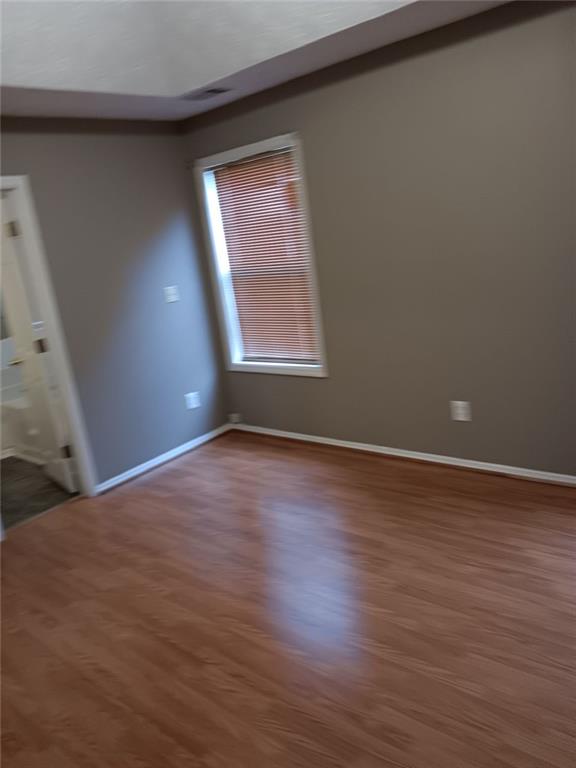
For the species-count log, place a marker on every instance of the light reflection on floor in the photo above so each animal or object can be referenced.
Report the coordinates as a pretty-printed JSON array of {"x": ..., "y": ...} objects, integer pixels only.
[{"x": 312, "y": 592}]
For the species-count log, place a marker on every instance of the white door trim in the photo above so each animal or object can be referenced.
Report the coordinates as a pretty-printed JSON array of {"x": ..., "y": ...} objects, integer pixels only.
[{"x": 21, "y": 198}]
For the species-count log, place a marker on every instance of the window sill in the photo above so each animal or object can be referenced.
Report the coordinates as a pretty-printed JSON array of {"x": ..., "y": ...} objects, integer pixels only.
[{"x": 284, "y": 369}]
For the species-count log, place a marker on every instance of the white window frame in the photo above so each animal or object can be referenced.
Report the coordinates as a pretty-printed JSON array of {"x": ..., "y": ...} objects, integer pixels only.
[{"x": 220, "y": 268}]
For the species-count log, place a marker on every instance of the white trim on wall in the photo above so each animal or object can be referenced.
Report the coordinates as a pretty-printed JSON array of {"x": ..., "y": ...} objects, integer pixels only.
[
  {"x": 482, "y": 466},
  {"x": 130, "y": 474},
  {"x": 236, "y": 154},
  {"x": 21, "y": 197}
]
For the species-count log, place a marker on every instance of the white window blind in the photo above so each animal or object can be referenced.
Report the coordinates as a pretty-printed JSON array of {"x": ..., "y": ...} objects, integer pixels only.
[{"x": 258, "y": 224}]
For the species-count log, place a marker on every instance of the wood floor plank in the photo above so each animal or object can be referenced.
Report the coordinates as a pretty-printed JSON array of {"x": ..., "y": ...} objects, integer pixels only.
[{"x": 262, "y": 603}]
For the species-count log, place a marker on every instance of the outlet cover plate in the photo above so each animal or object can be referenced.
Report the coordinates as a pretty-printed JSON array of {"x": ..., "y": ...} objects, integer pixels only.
[{"x": 460, "y": 410}]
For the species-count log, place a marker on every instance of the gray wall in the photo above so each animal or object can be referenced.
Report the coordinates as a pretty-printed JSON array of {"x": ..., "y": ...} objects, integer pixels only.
[
  {"x": 113, "y": 204},
  {"x": 441, "y": 180},
  {"x": 440, "y": 174}
]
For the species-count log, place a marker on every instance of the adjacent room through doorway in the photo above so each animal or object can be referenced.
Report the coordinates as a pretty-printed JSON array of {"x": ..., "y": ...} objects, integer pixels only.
[{"x": 37, "y": 469}]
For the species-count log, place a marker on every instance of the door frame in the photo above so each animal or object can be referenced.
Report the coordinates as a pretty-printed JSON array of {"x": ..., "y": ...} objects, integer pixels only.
[{"x": 29, "y": 230}]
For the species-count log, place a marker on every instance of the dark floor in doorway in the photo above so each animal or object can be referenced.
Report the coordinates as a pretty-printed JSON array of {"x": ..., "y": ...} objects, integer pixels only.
[{"x": 26, "y": 491}]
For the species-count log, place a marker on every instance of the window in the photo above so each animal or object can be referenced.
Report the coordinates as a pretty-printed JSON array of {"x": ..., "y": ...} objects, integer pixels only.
[{"x": 262, "y": 258}]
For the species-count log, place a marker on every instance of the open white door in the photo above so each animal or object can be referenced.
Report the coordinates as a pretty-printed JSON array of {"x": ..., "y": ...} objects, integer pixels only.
[{"x": 47, "y": 439}]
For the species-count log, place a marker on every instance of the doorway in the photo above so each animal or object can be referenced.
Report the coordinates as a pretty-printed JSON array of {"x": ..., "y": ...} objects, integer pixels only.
[{"x": 45, "y": 457}]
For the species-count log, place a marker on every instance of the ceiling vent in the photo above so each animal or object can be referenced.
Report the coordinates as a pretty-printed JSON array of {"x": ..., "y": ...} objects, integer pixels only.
[{"x": 205, "y": 94}]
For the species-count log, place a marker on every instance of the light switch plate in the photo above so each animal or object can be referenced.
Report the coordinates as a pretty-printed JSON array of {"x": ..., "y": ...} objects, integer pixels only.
[
  {"x": 171, "y": 293},
  {"x": 192, "y": 400}
]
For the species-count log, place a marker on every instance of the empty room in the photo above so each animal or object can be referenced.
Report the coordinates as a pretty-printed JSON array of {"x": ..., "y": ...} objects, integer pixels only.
[{"x": 288, "y": 384}]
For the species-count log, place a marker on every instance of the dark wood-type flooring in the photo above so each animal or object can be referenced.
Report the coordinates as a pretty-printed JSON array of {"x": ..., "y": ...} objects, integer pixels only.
[{"x": 261, "y": 603}]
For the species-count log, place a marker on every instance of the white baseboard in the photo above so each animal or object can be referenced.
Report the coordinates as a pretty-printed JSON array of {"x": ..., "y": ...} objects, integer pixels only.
[
  {"x": 30, "y": 458},
  {"x": 482, "y": 466},
  {"x": 18, "y": 454},
  {"x": 158, "y": 460}
]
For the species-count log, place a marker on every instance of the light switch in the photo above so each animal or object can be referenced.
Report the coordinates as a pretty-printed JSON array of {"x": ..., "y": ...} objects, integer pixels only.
[
  {"x": 192, "y": 400},
  {"x": 171, "y": 293}
]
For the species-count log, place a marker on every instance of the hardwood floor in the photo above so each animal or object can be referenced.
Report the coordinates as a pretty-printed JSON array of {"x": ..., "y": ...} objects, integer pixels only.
[{"x": 260, "y": 603}]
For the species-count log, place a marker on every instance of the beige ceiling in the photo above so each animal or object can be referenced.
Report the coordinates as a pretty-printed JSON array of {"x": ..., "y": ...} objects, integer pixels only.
[
  {"x": 164, "y": 48},
  {"x": 143, "y": 58}
]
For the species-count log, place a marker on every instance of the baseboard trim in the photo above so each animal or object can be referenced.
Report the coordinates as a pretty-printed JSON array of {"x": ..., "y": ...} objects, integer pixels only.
[
  {"x": 453, "y": 461},
  {"x": 22, "y": 455},
  {"x": 130, "y": 474},
  {"x": 433, "y": 458}
]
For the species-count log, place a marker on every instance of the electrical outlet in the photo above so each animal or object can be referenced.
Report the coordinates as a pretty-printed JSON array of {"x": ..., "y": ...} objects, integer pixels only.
[
  {"x": 235, "y": 418},
  {"x": 192, "y": 400},
  {"x": 460, "y": 410},
  {"x": 171, "y": 293}
]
